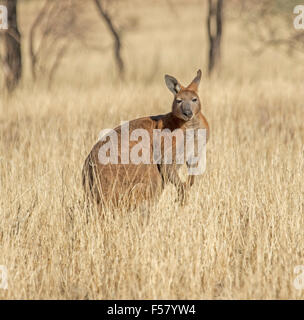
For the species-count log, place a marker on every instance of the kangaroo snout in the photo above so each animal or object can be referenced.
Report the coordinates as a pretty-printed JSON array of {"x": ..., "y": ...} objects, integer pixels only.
[{"x": 187, "y": 112}]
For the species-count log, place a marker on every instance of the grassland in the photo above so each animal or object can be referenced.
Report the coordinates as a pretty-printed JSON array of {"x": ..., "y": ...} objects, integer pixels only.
[{"x": 242, "y": 232}]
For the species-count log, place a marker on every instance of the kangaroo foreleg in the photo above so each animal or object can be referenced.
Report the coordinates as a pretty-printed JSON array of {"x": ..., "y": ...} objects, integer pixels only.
[{"x": 169, "y": 174}]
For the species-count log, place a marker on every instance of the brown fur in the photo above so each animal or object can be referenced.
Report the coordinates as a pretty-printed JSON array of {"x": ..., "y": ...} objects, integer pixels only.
[{"x": 130, "y": 184}]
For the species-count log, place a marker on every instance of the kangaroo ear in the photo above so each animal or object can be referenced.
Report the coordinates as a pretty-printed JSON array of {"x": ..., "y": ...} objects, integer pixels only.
[
  {"x": 196, "y": 81},
  {"x": 173, "y": 85}
]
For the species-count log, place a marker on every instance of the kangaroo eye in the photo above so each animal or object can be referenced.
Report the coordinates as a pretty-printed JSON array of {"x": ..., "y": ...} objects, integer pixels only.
[
  {"x": 194, "y": 99},
  {"x": 178, "y": 100}
]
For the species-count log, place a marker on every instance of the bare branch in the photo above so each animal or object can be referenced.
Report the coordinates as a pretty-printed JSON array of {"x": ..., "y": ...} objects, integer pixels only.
[
  {"x": 214, "y": 17},
  {"x": 12, "y": 38},
  {"x": 115, "y": 34},
  {"x": 51, "y": 34},
  {"x": 273, "y": 27},
  {"x": 56, "y": 63},
  {"x": 37, "y": 21}
]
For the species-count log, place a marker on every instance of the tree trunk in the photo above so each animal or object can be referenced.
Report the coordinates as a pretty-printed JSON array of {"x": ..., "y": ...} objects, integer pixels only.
[
  {"x": 214, "y": 19},
  {"x": 115, "y": 34},
  {"x": 12, "y": 39}
]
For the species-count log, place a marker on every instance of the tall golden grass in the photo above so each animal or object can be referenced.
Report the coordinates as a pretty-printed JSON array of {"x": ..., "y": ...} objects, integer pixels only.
[{"x": 241, "y": 233}]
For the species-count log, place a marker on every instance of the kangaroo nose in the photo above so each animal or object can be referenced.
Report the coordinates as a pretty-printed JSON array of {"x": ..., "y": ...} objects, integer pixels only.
[{"x": 188, "y": 113}]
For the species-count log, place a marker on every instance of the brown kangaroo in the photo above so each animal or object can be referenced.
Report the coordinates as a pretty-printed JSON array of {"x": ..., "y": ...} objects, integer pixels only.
[{"x": 128, "y": 184}]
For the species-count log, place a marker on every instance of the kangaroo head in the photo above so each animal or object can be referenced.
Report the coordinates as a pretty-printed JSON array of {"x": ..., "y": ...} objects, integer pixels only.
[{"x": 186, "y": 103}]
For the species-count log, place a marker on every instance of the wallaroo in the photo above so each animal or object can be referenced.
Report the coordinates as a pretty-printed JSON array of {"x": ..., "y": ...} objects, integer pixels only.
[{"x": 133, "y": 162}]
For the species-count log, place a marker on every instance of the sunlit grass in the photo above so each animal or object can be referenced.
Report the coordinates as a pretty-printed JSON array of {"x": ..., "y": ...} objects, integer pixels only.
[{"x": 241, "y": 233}]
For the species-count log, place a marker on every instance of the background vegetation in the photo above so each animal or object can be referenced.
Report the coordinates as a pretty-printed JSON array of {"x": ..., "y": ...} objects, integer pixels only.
[{"x": 241, "y": 234}]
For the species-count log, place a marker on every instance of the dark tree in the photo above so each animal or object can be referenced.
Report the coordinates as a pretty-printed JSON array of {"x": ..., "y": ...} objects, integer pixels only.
[
  {"x": 214, "y": 28},
  {"x": 115, "y": 34},
  {"x": 12, "y": 40}
]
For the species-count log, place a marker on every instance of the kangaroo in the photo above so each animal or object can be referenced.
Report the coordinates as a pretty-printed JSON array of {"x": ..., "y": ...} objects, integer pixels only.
[{"x": 128, "y": 184}]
